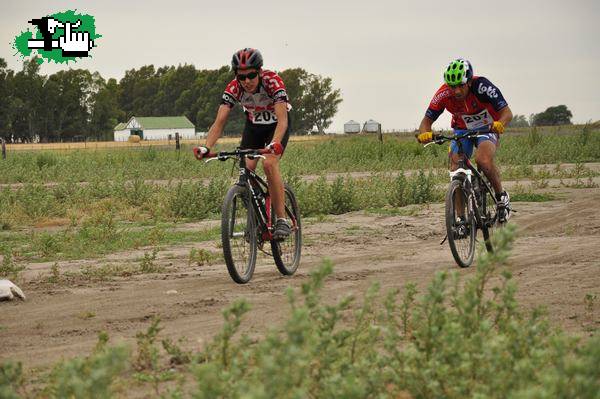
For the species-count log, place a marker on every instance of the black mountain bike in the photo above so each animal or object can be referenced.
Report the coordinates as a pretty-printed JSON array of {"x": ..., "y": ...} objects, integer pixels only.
[
  {"x": 470, "y": 205},
  {"x": 247, "y": 221}
]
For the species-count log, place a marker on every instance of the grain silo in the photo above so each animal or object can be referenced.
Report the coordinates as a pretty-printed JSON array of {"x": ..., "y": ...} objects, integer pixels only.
[
  {"x": 372, "y": 126},
  {"x": 351, "y": 127}
]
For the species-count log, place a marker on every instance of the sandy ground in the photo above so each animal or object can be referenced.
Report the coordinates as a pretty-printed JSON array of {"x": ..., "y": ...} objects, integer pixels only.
[{"x": 556, "y": 262}]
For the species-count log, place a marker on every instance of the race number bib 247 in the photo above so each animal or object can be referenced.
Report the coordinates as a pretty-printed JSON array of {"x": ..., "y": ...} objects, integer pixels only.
[{"x": 479, "y": 120}]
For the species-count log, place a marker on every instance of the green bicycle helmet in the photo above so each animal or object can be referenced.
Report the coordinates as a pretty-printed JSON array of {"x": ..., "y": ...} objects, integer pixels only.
[{"x": 458, "y": 72}]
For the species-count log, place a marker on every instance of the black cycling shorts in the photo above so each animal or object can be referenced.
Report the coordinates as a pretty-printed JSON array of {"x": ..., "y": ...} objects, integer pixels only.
[{"x": 257, "y": 136}]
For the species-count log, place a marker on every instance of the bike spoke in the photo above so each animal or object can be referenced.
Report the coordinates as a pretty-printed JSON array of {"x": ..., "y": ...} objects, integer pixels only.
[
  {"x": 460, "y": 224},
  {"x": 287, "y": 252}
]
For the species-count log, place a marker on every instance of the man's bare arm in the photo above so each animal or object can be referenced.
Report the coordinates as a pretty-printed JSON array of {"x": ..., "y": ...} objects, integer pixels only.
[
  {"x": 426, "y": 124},
  {"x": 282, "y": 121},
  {"x": 506, "y": 115},
  {"x": 217, "y": 127}
]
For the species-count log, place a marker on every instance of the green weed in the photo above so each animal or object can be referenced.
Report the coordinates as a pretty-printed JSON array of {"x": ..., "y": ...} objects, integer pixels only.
[
  {"x": 148, "y": 263},
  {"x": 91, "y": 377},
  {"x": 9, "y": 269},
  {"x": 201, "y": 257}
]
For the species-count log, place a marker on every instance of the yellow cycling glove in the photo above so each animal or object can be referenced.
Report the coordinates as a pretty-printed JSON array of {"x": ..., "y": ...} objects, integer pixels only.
[
  {"x": 424, "y": 137},
  {"x": 498, "y": 127}
]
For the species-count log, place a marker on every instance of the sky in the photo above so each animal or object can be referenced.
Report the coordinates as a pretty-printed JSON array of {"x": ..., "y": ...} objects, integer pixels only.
[{"x": 386, "y": 57}]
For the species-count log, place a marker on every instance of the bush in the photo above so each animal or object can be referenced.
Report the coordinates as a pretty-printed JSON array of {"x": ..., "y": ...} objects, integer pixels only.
[
  {"x": 46, "y": 160},
  {"x": 421, "y": 188},
  {"x": 9, "y": 269},
  {"x": 398, "y": 192},
  {"x": 314, "y": 198},
  {"x": 91, "y": 377},
  {"x": 11, "y": 380},
  {"x": 195, "y": 201},
  {"x": 342, "y": 196}
]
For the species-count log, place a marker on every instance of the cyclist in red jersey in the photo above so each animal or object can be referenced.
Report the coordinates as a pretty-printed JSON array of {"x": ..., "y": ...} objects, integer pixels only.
[
  {"x": 475, "y": 104},
  {"x": 264, "y": 99}
]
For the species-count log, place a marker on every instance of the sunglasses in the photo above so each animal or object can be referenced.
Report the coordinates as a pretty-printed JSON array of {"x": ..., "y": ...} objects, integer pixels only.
[{"x": 242, "y": 77}]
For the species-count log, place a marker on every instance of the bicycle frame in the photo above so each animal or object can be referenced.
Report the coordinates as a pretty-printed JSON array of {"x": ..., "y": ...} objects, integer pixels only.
[
  {"x": 258, "y": 189},
  {"x": 466, "y": 168}
]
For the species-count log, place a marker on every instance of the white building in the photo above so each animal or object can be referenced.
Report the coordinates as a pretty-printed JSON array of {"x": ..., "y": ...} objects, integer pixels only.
[
  {"x": 155, "y": 128},
  {"x": 121, "y": 134}
]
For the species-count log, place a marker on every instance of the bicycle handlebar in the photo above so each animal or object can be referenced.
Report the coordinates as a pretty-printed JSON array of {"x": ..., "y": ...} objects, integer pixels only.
[
  {"x": 225, "y": 155},
  {"x": 440, "y": 139}
]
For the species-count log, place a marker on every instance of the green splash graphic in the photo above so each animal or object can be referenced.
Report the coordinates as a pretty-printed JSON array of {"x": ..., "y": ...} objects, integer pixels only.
[
  {"x": 88, "y": 24},
  {"x": 20, "y": 43}
]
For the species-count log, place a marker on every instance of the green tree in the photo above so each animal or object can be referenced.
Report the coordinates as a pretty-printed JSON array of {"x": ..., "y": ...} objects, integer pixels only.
[
  {"x": 295, "y": 84},
  {"x": 72, "y": 91},
  {"x": 7, "y": 101},
  {"x": 206, "y": 97},
  {"x": 76, "y": 102},
  {"x": 139, "y": 89},
  {"x": 519, "y": 121},
  {"x": 320, "y": 102},
  {"x": 105, "y": 112},
  {"x": 558, "y": 115},
  {"x": 172, "y": 84},
  {"x": 28, "y": 104}
]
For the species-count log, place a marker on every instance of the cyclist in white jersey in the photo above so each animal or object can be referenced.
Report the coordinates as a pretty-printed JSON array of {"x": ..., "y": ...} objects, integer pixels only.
[{"x": 265, "y": 101}]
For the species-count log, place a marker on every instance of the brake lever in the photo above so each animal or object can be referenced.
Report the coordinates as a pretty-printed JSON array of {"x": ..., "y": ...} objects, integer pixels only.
[
  {"x": 438, "y": 141},
  {"x": 255, "y": 156}
]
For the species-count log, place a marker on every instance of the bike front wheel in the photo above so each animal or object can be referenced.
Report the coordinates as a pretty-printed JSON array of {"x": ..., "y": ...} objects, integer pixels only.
[
  {"x": 460, "y": 224},
  {"x": 238, "y": 234},
  {"x": 286, "y": 253}
]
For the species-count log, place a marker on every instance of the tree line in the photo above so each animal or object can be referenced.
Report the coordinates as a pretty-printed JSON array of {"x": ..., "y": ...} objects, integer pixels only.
[
  {"x": 76, "y": 104},
  {"x": 552, "y": 116}
]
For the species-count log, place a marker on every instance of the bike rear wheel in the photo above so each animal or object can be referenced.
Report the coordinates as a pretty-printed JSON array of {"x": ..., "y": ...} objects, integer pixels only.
[
  {"x": 286, "y": 253},
  {"x": 238, "y": 234},
  {"x": 460, "y": 224}
]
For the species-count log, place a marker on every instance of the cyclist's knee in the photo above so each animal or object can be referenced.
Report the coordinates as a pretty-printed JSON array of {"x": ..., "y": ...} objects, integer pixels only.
[
  {"x": 454, "y": 158},
  {"x": 271, "y": 164},
  {"x": 485, "y": 162}
]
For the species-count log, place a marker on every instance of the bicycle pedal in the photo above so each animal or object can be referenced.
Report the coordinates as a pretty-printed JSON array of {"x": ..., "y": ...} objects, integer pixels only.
[{"x": 279, "y": 238}]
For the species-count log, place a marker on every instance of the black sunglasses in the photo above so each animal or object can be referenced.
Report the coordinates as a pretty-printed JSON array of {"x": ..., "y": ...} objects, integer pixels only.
[{"x": 242, "y": 77}]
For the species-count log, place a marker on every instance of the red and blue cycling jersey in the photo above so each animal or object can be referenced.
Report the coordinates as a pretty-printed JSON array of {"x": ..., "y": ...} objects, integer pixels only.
[{"x": 479, "y": 109}]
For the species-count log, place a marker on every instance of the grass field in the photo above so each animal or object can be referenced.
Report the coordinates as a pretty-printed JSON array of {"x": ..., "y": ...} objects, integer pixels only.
[
  {"x": 451, "y": 340},
  {"x": 305, "y": 156},
  {"x": 69, "y": 199}
]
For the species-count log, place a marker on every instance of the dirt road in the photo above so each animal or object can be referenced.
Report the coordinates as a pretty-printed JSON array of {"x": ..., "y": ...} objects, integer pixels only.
[{"x": 556, "y": 262}]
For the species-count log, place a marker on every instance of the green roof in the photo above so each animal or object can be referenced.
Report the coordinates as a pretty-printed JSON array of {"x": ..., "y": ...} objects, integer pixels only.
[
  {"x": 164, "y": 122},
  {"x": 121, "y": 126}
]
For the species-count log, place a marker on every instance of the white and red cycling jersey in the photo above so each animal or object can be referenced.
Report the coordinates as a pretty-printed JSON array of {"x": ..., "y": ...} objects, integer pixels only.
[{"x": 260, "y": 106}]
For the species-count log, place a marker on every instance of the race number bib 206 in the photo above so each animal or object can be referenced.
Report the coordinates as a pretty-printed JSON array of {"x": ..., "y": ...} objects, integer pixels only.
[
  {"x": 479, "y": 120},
  {"x": 264, "y": 117}
]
